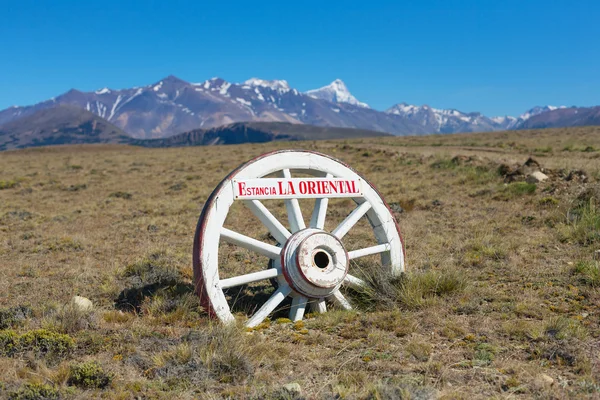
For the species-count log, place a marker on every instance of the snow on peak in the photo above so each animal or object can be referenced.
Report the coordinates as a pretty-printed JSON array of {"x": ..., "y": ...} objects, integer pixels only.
[
  {"x": 279, "y": 85},
  {"x": 103, "y": 91},
  {"x": 506, "y": 122},
  {"x": 404, "y": 109},
  {"x": 336, "y": 92},
  {"x": 538, "y": 110},
  {"x": 501, "y": 120}
]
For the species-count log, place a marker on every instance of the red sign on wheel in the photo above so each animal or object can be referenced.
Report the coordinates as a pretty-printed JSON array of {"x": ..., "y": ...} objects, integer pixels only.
[{"x": 295, "y": 188}]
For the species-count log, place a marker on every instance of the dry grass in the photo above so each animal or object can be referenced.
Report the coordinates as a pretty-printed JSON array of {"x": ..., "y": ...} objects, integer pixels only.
[{"x": 501, "y": 293}]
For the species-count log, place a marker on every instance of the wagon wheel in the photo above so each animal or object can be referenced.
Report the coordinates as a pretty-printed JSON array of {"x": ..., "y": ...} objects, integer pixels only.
[{"x": 310, "y": 264}]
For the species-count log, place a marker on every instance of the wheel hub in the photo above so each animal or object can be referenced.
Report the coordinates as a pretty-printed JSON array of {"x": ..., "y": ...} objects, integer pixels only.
[{"x": 314, "y": 263}]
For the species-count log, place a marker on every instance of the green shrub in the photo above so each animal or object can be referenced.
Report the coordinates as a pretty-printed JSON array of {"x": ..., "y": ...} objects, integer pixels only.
[
  {"x": 588, "y": 272},
  {"x": 47, "y": 343},
  {"x": 35, "y": 391},
  {"x": 420, "y": 289},
  {"x": 41, "y": 341},
  {"x": 521, "y": 188},
  {"x": 562, "y": 327},
  {"x": 8, "y": 184},
  {"x": 583, "y": 224},
  {"x": 484, "y": 354},
  {"x": 89, "y": 375},
  {"x": 515, "y": 189},
  {"x": 8, "y": 343},
  {"x": 412, "y": 290},
  {"x": 548, "y": 201}
]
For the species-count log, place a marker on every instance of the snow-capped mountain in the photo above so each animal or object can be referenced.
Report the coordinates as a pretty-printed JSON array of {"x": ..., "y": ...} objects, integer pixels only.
[
  {"x": 561, "y": 117},
  {"x": 537, "y": 110},
  {"x": 444, "y": 121},
  {"x": 336, "y": 92},
  {"x": 506, "y": 122},
  {"x": 172, "y": 105},
  {"x": 452, "y": 121},
  {"x": 278, "y": 85}
]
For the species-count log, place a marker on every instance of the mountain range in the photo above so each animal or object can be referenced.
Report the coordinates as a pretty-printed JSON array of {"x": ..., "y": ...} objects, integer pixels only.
[
  {"x": 173, "y": 106},
  {"x": 67, "y": 124}
]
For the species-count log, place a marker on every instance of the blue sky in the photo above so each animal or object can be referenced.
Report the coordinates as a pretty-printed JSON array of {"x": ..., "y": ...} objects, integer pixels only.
[{"x": 497, "y": 57}]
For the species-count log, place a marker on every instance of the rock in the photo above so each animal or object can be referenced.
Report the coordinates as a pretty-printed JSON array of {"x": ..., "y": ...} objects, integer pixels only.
[
  {"x": 396, "y": 208},
  {"x": 84, "y": 304},
  {"x": 536, "y": 177},
  {"x": 293, "y": 388},
  {"x": 577, "y": 175},
  {"x": 512, "y": 174}
]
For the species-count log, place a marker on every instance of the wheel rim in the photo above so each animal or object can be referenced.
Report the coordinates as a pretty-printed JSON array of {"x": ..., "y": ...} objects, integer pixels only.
[{"x": 311, "y": 264}]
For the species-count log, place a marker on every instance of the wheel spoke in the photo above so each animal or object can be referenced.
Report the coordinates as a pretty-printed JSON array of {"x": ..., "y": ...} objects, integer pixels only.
[
  {"x": 340, "y": 300},
  {"x": 298, "y": 307},
  {"x": 293, "y": 209},
  {"x": 355, "y": 282},
  {"x": 319, "y": 306},
  {"x": 318, "y": 216},
  {"x": 248, "y": 278},
  {"x": 369, "y": 251},
  {"x": 351, "y": 220},
  {"x": 270, "y": 305},
  {"x": 273, "y": 252},
  {"x": 278, "y": 231}
]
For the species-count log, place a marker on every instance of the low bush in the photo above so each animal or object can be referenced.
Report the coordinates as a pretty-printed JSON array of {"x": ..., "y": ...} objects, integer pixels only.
[
  {"x": 41, "y": 342},
  {"x": 71, "y": 319},
  {"x": 516, "y": 189},
  {"x": 8, "y": 184},
  {"x": 88, "y": 375},
  {"x": 412, "y": 290},
  {"x": 588, "y": 272},
  {"x": 35, "y": 391},
  {"x": 157, "y": 287},
  {"x": 582, "y": 224}
]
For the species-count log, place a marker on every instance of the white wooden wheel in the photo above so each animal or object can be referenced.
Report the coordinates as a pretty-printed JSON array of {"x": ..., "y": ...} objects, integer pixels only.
[{"x": 309, "y": 264}]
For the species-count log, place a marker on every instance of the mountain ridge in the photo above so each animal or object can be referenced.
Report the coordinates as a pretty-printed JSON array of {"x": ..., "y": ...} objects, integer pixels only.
[
  {"x": 68, "y": 124},
  {"x": 172, "y": 106}
]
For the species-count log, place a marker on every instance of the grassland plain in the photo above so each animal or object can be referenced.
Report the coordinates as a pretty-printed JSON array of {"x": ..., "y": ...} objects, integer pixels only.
[{"x": 500, "y": 300}]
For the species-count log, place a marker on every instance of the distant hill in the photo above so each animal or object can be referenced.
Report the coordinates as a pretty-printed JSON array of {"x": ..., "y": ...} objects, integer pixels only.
[
  {"x": 564, "y": 117},
  {"x": 61, "y": 124},
  {"x": 256, "y": 132}
]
